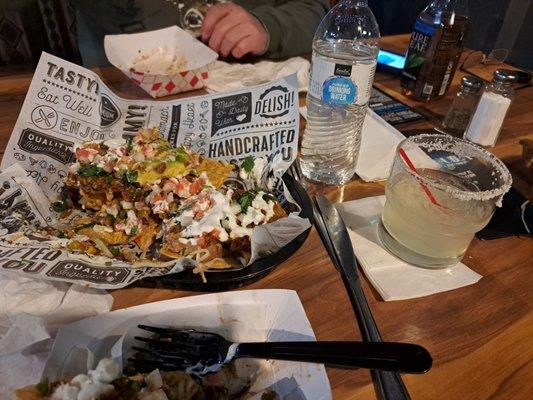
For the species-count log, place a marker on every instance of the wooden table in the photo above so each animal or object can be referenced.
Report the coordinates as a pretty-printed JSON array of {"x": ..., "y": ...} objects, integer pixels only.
[{"x": 480, "y": 336}]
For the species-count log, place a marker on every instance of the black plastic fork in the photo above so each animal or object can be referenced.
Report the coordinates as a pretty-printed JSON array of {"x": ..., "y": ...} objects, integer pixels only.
[{"x": 202, "y": 353}]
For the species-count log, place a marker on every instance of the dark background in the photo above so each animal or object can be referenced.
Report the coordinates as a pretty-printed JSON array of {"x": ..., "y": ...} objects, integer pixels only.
[{"x": 29, "y": 26}]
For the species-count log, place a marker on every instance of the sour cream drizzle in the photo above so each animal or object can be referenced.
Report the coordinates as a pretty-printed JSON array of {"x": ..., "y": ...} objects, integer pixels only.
[{"x": 225, "y": 217}]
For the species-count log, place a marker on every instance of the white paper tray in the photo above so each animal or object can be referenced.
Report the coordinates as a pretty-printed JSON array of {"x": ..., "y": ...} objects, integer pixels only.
[
  {"x": 252, "y": 315},
  {"x": 121, "y": 50}
]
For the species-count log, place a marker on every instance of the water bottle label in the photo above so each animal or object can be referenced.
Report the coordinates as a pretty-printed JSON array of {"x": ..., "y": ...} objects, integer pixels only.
[
  {"x": 339, "y": 91},
  {"x": 341, "y": 84}
]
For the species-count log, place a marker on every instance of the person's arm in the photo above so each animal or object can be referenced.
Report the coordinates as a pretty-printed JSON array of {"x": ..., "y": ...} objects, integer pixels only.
[
  {"x": 291, "y": 25},
  {"x": 229, "y": 28},
  {"x": 281, "y": 28}
]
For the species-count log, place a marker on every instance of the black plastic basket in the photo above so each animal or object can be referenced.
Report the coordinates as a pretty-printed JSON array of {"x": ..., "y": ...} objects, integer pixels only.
[{"x": 220, "y": 280}]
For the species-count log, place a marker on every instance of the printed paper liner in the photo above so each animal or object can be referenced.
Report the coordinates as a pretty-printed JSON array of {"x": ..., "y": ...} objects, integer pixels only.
[{"x": 67, "y": 104}]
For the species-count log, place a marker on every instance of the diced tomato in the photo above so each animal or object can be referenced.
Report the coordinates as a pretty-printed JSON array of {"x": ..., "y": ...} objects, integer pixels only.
[
  {"x": 85, "y": 155},
  {"x": 200, "y": 242},
  {"x": 119, "y": 151},
  {"x": 148, "y": 151},
  {"x": 199, "y": 214},
  {"x": 197, "y": 186}
]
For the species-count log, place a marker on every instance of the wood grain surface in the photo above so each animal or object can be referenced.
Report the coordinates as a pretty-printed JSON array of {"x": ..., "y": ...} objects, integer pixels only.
[{"x": 480, "y": 336}]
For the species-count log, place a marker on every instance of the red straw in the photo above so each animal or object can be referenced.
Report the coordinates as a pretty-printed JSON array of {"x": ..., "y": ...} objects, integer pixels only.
[{"x": 411, "y": 166}]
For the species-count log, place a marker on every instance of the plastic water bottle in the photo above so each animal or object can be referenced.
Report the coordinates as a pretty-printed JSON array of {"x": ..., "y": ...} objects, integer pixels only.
[{"x": 345, "y": 50}]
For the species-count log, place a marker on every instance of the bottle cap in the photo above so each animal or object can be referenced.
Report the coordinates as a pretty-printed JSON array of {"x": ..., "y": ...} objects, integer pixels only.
[
  {"x": 472, "y": 83},
  {"x": 504, "y": 76}
]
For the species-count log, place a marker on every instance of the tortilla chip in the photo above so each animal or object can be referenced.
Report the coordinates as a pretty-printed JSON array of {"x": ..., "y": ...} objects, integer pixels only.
[
  {"x": 172, "y": 170},
  {"x": 146, "y": 236},
  {"x": 216, "y": 171},
  {"x": 28, "y": 393},
  {"x": 279, "y": 212},
  {"x": 221, "y": 263},
  {"x": 169, "y": 253},
  {"x": 109, "y": 238}
]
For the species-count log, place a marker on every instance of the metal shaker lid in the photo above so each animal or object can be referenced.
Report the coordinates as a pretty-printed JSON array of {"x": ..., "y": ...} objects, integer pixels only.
[
  {"x": 472, "y": 83},
  {"x": 504, "y": 76}
]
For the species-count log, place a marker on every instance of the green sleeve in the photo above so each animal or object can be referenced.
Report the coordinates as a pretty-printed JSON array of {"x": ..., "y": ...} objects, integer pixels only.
[{"x": 291, "y": 25}]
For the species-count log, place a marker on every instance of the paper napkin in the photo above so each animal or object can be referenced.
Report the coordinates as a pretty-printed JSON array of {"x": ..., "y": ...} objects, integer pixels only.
[
  {"x": 224, "y": 77},
  {"x": 378, "y": 146},
  {"x": 31, "y": 311},
  {"x": 393, "y": 278}
]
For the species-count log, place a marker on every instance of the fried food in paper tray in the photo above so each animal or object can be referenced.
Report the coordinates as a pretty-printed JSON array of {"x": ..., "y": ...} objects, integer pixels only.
[
  {"x": 144, "y": 203},
  {"x": 107, "y": 383}
]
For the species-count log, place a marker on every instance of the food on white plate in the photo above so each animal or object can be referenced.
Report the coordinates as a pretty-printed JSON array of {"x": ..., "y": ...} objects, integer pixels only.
[
  {"x": 106, "y": 382},
  {"x": 143, "y": 200},
  {"x": 160, "y": 61}
]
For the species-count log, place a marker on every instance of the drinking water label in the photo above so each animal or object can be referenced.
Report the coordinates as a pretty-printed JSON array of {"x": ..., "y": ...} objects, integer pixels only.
[
  {"x": 339, "y": 91},
  {"x": 341, "y": 84}
]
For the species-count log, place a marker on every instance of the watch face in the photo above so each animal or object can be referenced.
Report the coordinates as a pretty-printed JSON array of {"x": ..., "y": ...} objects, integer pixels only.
[{"x": 192, "y": 13}]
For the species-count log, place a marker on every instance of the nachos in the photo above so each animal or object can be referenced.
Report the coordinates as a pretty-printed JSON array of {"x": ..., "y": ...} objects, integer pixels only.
[{"x": 143, "y": 199}]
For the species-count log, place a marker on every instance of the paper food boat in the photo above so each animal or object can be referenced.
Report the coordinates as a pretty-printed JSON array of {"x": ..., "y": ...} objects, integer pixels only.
[
  {"x": 241, "y": 316},
  {"x": 121, "y": 51}
]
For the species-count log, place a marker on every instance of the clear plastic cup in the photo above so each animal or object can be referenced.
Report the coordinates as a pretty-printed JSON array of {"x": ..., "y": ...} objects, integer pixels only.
[{"x": 440, "y": 192}]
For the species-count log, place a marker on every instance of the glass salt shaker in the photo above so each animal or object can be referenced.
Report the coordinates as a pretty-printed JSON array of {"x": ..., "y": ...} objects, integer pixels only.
[
  {"x": 463, "y": 106},
  {"x": 486, "y": 124}
]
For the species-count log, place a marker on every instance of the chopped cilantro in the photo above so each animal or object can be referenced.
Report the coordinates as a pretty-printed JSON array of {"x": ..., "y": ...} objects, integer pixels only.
[
  {"x": 91, "y": 170},
  {"x": 110, "y": 219},
  {"x": 130, "y": 176},
  {"x": 59, "y": 206},
  {"x": 245, "y": 202},
  {"x": 122, "y": 214},
  {"x": 129, "y": 144},
  {"x": 109, "y": 179},
  {"x": 246, "y": 199},
  {"x": 248, "y": 164},
  {"x": 44, "y": 387},
  {"x": 62, "y": 235},
  {"x": 207, "y": 186},
  {"x": 133, "y": 231},
  {"x": 108, "y": 263},
  {"x": 268, "y": 197},
  {"x": 181, "y": 154},
  {"x": 115, "y": 251}
]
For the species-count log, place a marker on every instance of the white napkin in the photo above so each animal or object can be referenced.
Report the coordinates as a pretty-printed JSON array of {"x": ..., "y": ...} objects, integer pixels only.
[
  {"x": 225, "y": 77},
  {"x": 31, "y": 311},
  {"x": 378, "y": 145},
  {"x": 393, "y": 278}
]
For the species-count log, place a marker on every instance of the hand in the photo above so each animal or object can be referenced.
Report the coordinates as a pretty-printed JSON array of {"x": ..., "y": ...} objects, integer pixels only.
[{"x": 230, "y": 29}]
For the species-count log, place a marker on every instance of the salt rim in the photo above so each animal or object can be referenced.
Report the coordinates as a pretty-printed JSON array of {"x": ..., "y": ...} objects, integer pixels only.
[{"x": 462, "y": 148}]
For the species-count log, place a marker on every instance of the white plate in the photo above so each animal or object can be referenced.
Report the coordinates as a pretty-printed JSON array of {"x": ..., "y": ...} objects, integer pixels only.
[{"x": 251, "y": 315}]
